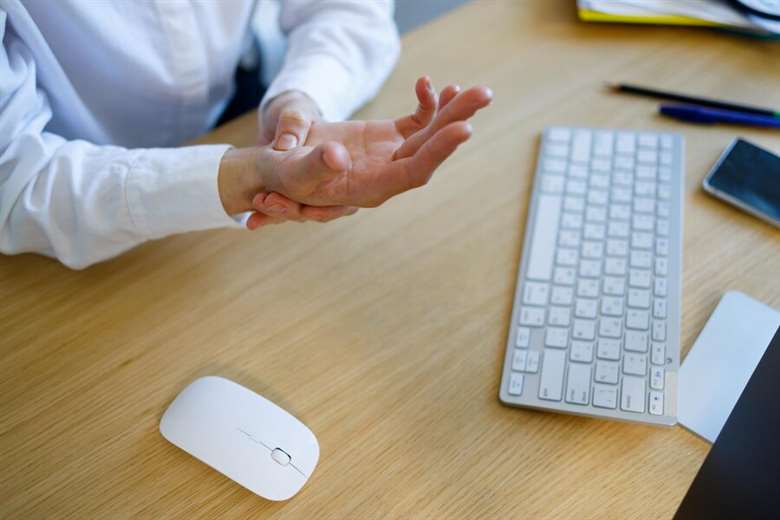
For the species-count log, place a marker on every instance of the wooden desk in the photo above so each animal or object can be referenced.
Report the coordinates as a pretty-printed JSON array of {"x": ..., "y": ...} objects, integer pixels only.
[{"x": 384, "y": 332}]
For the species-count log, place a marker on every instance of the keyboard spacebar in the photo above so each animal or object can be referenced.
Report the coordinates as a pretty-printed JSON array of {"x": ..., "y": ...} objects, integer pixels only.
[{"x": 548, "y": 213}]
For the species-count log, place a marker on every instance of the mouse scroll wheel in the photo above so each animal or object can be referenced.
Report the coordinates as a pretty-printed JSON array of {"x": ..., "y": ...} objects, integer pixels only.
[{"x": 280, "y": 456}]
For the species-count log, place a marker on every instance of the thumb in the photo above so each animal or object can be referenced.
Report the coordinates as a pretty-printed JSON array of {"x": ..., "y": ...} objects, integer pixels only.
[{"x": 292, "y": 129}]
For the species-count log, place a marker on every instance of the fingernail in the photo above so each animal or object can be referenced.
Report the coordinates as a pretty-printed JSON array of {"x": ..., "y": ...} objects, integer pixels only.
[{"x": 286, "y": 142}]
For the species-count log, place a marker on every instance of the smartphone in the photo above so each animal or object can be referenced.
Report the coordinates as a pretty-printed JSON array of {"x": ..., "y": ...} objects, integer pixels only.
[{"x": 748, "y": 177}]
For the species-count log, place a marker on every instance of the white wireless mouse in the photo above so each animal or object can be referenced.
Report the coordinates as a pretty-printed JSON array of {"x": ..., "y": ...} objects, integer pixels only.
[{"x": 243, "y": 436}]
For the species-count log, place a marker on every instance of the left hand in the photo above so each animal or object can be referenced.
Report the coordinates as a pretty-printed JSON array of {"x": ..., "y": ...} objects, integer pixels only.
[{"x": 285, "y": 124}]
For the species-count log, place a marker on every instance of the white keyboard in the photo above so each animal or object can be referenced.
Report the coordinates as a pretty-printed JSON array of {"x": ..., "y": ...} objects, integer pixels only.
[{"x": 596, "y": 321}]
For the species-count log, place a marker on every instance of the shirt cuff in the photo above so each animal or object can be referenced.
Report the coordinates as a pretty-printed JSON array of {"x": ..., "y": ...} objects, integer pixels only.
[
  {"x": 174, "y": 190},
  {"x": 335, "y": 96}
]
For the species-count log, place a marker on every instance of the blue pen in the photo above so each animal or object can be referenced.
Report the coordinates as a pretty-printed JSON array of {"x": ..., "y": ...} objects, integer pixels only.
[{"x": 699, "y": 114}]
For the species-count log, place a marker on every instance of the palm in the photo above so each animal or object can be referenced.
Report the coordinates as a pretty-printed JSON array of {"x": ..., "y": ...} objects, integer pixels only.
[
  {"x": 370, "y": 145},
  {"x": 363, "y": 163}
]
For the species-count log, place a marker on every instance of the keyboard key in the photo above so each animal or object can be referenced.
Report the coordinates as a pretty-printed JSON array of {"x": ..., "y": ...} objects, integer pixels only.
[
  {"x": 592, "y": 249},
  {"x": 602, "y": 145},
  {"x": 624, "y": 163},
  {"x": 660, "y": 287},
  {"x": 648, "y": 141},
  {"x": 557, "y": 337},
  {"x": 571, "y": 221},
  {"x": 610, "y": 327},
  {"x": 657, "y": 403},
  {"x": 617, "y": 229},
  {"x": 578, "y": 171},
  {"x": 659, "y": 330},
  {"x": 658, "y": 353},
  {"x": 596, "y": 214},
  {"x": 594, "y": 231},
  {"x": 622, "y": 178},
  {"x": 585, "y": 308},
  {"x": 641, "y": 259},
  {"x": 560, "y": 135},
  {"x": 604, "y": 396},
  {"x": 626, "y": 143},
  {"x": 615, "y": 266},
  {"x": 581, "y": 146},
  {"x": 590, "y": 268},
  {"x": 559, "y": 316},
  {"x": 661, "y": 266},
  {"x": 659, "y": 308},
  {"x": 581, "y": 351},
  {"x": 606, "y": 372},
  {"x": 636, "y": 341},
  {"x": 562, "y": 295},
  {"x": 632, "y": 394},
  {"x": 554, "y": 166},
  {"x": 535, "y": 293},
  {"x": 523, "y": 337},
  {"x": 614, "y": 286},
  {"x": 560, "y": 151},
  {"x": 657, "y": 376},
  {"x": 598, "y": 197},
  {"x": 515, "y": 384},
  {"x": 619, "y": 212},
  {"x": 646, "y": 172},
  {"x": 662, "y": 246},
  {"x": 548, "y": 212},
  {"x": 532, "y": 362},
  {"x": 639, "y": 278},
  {"x": 566, "y": 257},
  {"x": 552, "y": 184},
  {"x": 519, "y": 359},
  {"x": 621, "y": 195},
  {"x": 578, "y": 384},
  {"x": 574, "y": 204},
  {"x": 569, "y": 238},
  {"x": 612, "y": 306},
  {"x": 608, "y": 349},
  {"x": 641, "y": 240},
  {"x": 576, "y": 187},
  {"x": 639, "y": 298},
  {"x": 584, "y": 329},
  {"x": 532, "y": 316},
  {"x": 635, "y": 364},
  {"x": 600, "y": 181},
  {"x": 636, "y": 319},
  {"x": 564, "y": 276},
  {"x": 643, "y": 205},
  {"x": 617, "y": 247},
  {"x": 663, "y": 227},
  {"x": 551, "y": 378},
  {"x": 643, "y": 222},
  {"x": 647, "y": 157},
  {"x": 588, "y": 288}
]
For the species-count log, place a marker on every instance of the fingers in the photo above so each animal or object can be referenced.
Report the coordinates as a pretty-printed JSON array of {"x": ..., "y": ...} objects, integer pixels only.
[
  {"x": 448, "y": 94},
  {"x": 460, "y": 108},
  {"x": 420, "y": 167},
  {"x": 278, "y": 206},
  {"x": 291, "y": 129},
  {"x": 258, "y": 220},
  {"x": 426, "y": 108}
]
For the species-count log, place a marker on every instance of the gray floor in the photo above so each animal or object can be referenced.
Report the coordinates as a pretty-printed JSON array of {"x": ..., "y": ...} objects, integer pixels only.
[{"x": 413, "y": 13}]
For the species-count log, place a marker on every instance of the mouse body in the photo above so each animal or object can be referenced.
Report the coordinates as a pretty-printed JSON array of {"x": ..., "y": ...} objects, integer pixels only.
[{"x": 242, "y": 435}]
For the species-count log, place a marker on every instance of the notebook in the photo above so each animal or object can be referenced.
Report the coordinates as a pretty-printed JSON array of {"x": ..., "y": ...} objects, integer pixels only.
[{"x": 711, "y": 13}]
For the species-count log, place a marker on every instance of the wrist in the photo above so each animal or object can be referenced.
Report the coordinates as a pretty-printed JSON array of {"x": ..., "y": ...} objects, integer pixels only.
[{"x": 239, "y": 179}]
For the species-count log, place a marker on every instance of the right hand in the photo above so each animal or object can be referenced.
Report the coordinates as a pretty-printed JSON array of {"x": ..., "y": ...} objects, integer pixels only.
[{"x": 363, "y": 163}]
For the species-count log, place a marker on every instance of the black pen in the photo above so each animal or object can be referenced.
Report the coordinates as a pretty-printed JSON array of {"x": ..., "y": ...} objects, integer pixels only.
[{"x": 693, "y": 100}]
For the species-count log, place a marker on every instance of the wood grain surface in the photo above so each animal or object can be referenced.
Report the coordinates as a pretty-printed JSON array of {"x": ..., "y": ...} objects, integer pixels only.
[{"x": 383, "y": 332}]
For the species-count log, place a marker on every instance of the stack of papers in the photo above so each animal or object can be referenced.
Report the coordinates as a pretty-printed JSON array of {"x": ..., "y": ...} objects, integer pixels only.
[{"x": 715, "y": 13}]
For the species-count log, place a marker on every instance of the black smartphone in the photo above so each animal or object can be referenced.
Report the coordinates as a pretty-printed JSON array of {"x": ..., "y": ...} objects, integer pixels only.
[{"x": 748, "y": 177}]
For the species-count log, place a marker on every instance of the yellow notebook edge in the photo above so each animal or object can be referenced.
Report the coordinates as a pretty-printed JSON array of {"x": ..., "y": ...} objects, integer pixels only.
[{"x": 589, "y": 15}]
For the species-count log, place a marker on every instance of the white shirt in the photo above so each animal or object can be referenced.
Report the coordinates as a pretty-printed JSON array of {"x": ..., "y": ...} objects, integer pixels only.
[{"x": 90, "y": 91}]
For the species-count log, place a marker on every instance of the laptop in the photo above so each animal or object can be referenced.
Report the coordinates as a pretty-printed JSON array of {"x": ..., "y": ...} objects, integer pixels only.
[{"x": 740, "y": 478}]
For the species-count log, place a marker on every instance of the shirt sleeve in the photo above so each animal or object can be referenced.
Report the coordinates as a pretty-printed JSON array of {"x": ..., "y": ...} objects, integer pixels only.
[
  {"x": 83, "y": 203},
  {"x": 339, "y": 52}
]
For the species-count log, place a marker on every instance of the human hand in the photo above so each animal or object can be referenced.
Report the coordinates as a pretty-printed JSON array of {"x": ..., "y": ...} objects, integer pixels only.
[
  {"x": 363, "y": 163},
  {"x": 284, "y": 124}
]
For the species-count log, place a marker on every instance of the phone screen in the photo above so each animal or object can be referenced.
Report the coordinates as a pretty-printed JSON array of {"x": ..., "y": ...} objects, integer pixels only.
[{"x": 751, "y": 175}]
